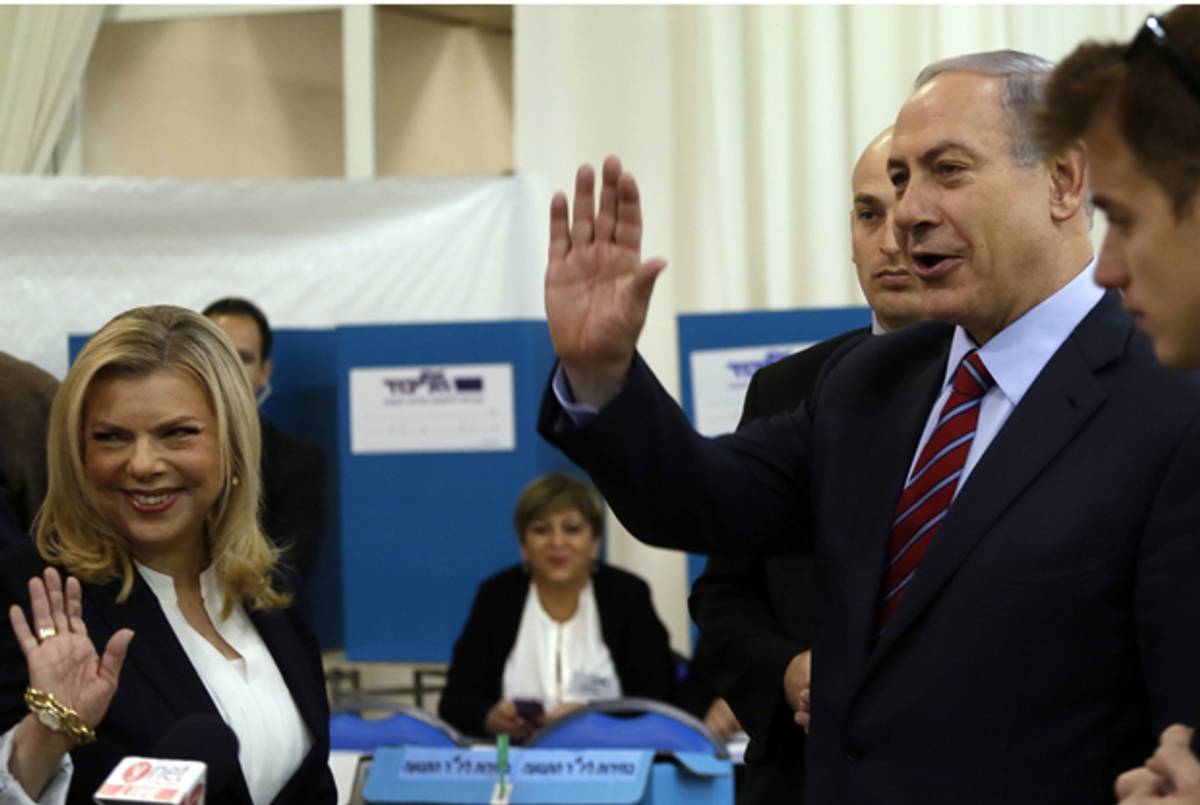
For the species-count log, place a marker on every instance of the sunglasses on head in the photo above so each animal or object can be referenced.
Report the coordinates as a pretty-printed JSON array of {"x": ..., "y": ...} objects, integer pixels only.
[{"x": 1152, "y": 36}]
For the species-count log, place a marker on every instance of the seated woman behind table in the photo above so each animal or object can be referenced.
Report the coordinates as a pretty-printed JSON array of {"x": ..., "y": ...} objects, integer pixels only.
[
  {"x": 558, "y": 630},
  {"x": 149, "y": 544}
]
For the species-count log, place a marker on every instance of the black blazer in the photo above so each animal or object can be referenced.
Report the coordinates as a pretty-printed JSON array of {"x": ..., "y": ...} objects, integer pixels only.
[
  {"x": 635, "y": 637},
  {"x": 755, "y": 615},
  {"x": 26, "y": 392},
  {"x": 1048, "y": 636},
  {"x": 293, "y": 510},
  {"x": 10, "y": 528},
  {"x": 158, "y": 685}
]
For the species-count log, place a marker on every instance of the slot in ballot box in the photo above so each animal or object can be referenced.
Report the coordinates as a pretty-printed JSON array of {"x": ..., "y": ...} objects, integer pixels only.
[{"x": 410, "y": 774}]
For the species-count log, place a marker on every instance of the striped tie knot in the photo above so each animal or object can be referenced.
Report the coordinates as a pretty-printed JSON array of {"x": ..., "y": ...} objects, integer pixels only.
[{"x": 972, "y": 378}]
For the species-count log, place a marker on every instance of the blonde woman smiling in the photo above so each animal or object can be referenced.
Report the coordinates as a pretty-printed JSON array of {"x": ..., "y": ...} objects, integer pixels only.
[{"x": 150, "y": 587}]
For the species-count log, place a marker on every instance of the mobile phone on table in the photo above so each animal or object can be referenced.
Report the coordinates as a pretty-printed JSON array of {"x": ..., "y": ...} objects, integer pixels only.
[{"x": 529, "y": 709}]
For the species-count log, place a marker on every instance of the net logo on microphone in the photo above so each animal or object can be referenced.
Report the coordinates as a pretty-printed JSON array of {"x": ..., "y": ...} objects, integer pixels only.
[
  {"x": 136, "y": 771},
  {"x": 147, "y": 780}
]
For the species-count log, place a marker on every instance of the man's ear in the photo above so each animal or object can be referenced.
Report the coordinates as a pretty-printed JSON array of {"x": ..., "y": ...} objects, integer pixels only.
[
  {"x": 1068, "y": 182},
  {"x": 267, "y": 366}
]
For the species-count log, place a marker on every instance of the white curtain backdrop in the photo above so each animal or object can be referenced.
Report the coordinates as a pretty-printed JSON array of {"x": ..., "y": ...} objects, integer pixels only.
[
  {"x": 77, "y": 251},
  {"x": 741, "y": 124},
  {"x": 43, "y": 53}
]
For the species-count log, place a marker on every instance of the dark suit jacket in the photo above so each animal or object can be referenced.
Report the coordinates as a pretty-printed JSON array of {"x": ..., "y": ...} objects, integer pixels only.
[
  {"x": 755, "y": 615},
  {"x": 293, "y": 515},
  {"x": 158, "y": 685},
  {"x": 1049, "y": 634},
  {"x": 26, "y": 393},
  {"x": 10, "y": 527},
  {"x": 635, "y": 637}
]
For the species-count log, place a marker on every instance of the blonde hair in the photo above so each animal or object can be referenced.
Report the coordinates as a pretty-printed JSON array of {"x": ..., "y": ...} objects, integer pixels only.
[{"x": 72, "y": 529}]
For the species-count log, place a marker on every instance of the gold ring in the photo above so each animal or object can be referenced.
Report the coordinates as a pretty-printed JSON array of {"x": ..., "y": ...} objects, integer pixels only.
[{"x": 45, "y": 633}]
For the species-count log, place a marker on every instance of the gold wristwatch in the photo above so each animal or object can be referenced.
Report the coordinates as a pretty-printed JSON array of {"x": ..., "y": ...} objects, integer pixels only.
[{"x": 56, "y": 716}]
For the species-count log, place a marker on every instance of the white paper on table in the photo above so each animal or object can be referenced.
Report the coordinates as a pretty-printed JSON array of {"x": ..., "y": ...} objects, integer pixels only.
[{"x": 437, "y": 408}]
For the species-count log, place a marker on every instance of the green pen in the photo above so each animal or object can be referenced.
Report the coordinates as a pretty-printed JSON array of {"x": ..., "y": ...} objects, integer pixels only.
[{"x": 502, "y": 760}]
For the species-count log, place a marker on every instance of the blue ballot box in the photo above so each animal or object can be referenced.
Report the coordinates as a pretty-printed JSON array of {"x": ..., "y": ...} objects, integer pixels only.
[{"x": 411, "y": 774}]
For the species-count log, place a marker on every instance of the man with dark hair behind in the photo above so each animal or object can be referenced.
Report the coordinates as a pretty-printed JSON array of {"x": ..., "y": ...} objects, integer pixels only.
[
  {"x": 293, "y": 514},
  {"x": 1137, "y": 109}
]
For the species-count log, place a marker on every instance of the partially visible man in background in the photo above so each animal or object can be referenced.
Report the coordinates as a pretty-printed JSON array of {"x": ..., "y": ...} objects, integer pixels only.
[
  {"x": 756, "y": 615},
  {"x": 293, "y": 470},
  {"x": 26, "y": 393},
  {"x": 1137, "y": 109}
]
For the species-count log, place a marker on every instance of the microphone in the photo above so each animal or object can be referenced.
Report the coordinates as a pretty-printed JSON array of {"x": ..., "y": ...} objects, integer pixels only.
[{"x": 194, "y": 760}]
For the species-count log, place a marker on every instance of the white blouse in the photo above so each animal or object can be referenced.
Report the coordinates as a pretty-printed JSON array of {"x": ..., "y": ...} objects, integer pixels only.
[
  {"x": 560, "y": 662},
  {"x": 249, "y": 693}
]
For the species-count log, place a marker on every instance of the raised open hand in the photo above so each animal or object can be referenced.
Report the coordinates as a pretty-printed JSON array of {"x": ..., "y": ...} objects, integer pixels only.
[
  {"x": 60, "y": 655},
  {"x": 597, "y": 287}
]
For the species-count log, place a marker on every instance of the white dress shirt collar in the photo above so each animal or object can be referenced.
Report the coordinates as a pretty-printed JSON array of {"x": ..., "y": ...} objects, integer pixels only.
[
  {"x": 1017, "y": 354},
  {"x": 163, "y": 587}
]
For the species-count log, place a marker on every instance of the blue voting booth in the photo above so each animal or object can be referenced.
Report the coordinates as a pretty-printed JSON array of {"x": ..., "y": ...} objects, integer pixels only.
[
  {"x": 422, "y": 528},
  {"x": 731, "y": 346}
]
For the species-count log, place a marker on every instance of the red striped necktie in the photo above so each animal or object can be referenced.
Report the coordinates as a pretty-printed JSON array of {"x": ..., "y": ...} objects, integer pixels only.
[{"x": 929, "y": 490}]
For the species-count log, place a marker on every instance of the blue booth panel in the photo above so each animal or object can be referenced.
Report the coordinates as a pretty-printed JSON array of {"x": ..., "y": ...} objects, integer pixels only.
[
  {"x": 717, "y": 331},
  {"x": 548, "y": 777},
  {"x": 406, "y": 727},
  {"x": 631, "y": 723},
  {"x": 420, "y": 530}
]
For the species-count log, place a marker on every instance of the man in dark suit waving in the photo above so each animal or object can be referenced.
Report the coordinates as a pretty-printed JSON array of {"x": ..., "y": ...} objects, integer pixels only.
[
  {"x": 755, "y": 615},
  {"x": 1002, "y": 507}
]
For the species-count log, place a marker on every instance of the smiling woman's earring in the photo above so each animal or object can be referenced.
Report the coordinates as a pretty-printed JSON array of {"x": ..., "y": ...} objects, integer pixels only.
[{"x": 234, "y": 481}]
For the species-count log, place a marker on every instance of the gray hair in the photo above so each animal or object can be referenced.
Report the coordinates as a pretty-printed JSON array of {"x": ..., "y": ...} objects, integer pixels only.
[{"x": 1025, "y": 77}]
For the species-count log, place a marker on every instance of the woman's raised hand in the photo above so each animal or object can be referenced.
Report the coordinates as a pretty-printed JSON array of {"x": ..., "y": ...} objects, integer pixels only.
[{"x": 61, "y": 658}]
